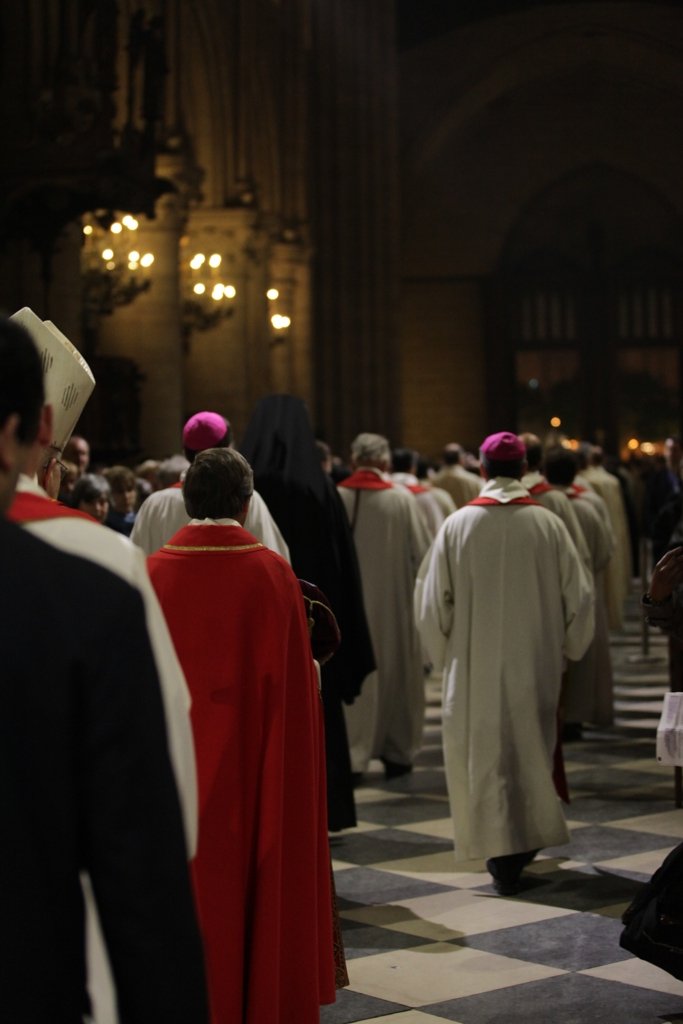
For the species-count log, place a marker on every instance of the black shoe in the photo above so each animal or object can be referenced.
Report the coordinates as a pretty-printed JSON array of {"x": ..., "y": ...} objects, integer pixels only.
[
  {"x": 394, "y": 770},
  {"x": 528, "y": 857},
  {"x": 506, "y": 888},
  {"x": 505, "y": 878},
  {"x": 506, "y": 871}
]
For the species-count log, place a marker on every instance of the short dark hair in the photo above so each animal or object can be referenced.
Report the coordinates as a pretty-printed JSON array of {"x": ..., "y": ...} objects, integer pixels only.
[
  {"x": 403, "y": 460},
  {"x": 561, "y": 466},
  {"x": 21, "y": 380},
  {"x": 120, "y": 478},
  {"x": 509, "y": 467},
  {"x": 452, "y": 454},
  {"x": 534, "y": 455},
  {"x": 217, "y": 484}
]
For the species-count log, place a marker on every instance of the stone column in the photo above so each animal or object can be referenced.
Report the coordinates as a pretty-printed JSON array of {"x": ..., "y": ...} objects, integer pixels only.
[
  {"x": 290, "y": 349},
  {"x": 227, "y": 364},
  {"x": 355, "y": 217},
  {"x": 148, "y": 331}
]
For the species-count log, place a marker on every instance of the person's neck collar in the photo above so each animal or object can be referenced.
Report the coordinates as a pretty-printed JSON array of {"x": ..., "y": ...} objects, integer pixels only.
[{"x": 227, "y": 521}]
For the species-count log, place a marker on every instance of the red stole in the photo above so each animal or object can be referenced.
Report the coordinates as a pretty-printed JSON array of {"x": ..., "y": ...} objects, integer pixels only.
[
  {"x": 485, "y": 500},
  {"x": 32, "y": 508},
  {"x": 575, "y": 491},
  {"x": 417, "y": 488},
  {"x": 542, "y": 487},
  {"x": 366, "y": 480}
]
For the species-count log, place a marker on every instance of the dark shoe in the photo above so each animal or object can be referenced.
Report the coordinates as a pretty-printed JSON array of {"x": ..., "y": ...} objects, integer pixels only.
[
  {"x": 502, "y": 888},
  {"x": 528, "y": 857},
  {"x": 505, "y": 879},
  {"x": 571, "y": 732},
  {"x": 394, "y": 770},
  {"x": 506, "y": 871}
]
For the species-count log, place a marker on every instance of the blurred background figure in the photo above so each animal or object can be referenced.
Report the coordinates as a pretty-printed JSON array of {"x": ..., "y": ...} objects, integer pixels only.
[
  {"x": 391, "y": 541},
  {"x": 92, "y": 494},
  {"x": 454, "y": 477},
  {"x": 77, "y": 451},
  {"x": 146, "y": 479},
  {"x": 68, "y": 481},
  {"x": 171, "y": 471},
  {"x": 123, "y": 500},
  {"x": 404, "y": 472},
  {"x": 280, "y": 446}
]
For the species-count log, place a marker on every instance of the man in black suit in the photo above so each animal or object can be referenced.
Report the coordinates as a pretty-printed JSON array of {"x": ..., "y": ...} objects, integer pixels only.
[{"x": 85, "y": 778}]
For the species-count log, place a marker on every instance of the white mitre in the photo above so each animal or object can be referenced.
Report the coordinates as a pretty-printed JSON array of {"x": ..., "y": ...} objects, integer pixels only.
[{"x": 69, "y": 382}]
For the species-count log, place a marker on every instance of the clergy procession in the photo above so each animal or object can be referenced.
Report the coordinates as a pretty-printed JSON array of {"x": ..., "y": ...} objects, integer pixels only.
[{"x": 206, "y": 652}]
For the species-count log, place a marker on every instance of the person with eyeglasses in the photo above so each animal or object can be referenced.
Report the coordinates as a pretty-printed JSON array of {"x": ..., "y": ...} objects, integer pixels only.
[
  {"x": 87, "y": 790},
  {"x": 77, "y": 533}
]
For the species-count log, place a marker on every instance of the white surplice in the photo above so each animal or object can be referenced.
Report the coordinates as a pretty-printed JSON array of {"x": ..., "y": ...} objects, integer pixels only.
[
  {"x": 502, "y": 598},
  {"x": 560, "y": 504},
  {"x": 589, "y": 692},
  {"x": 619, "y": 570},
  {"x": 429, "y": 506},
  {"x": 459, "y": 482},
  {"x": 387, "y": 718}
]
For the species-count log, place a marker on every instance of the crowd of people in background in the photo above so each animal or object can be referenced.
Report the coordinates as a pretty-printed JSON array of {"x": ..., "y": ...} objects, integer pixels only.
[
  {"x": 500, "y": 569},
  {"x": 649, "y": 506}
]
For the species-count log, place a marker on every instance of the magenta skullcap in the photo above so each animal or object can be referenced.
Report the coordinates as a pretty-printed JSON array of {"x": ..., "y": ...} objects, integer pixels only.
[
  {"x": 204, "y": 430},
  {"x": 503, "y": 447}
]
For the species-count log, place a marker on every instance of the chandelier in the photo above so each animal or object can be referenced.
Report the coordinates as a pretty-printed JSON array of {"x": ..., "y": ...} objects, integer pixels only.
[
  {"x": 208, "y": 295},
  {"x": 114, "y": 270}
]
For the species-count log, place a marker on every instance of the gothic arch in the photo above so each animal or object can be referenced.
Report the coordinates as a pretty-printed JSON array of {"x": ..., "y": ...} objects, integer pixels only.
[{"x": 622, "y": 53}]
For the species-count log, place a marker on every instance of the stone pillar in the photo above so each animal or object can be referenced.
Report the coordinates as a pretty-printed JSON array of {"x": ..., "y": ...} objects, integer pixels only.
[
  {"x": 148, "y": 330},
  {"x": 355, "y": 217},
  {"x": 290, "y": 349},
  {"x": 227, "y": 365}
]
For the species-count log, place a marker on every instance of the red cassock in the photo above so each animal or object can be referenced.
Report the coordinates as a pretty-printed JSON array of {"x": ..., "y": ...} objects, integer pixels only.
[{"x": 262, "y": 870}]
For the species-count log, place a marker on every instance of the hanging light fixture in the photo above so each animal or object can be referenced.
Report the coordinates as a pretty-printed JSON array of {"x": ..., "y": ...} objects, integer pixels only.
[
  {"x": 208, "y": 296},
  {"x": 280, "y": 322},
  {"x": 114, "y": 270}
]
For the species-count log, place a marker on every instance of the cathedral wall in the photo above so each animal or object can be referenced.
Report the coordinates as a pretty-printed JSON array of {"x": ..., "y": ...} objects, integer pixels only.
[{"x": 514, "y": 106}]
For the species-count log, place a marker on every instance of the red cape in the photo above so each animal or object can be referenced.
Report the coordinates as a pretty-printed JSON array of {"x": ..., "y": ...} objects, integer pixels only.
[
  {"x": 262, "y": 870},
  {"x": 542, "y": 487},
  {"x": 32, "y": 508},
  {"x": 366, "y": 480},
  {"x": 575, "y": 490}
]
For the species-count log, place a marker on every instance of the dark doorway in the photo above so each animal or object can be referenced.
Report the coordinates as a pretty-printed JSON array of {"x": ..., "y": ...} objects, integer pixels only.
[{"x": 585, "y": 316}]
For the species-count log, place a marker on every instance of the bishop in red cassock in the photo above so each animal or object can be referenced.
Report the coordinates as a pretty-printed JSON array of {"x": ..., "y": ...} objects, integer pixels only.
[{"x": 262, "y": 870}]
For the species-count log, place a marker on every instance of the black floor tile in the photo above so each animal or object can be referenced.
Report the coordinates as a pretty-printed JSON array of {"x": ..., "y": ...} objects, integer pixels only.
[{"x": 569, "y": 998}]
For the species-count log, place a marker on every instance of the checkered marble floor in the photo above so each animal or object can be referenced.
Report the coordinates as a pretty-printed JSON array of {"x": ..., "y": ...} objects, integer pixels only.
[{"x": 427, "y": 940}]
